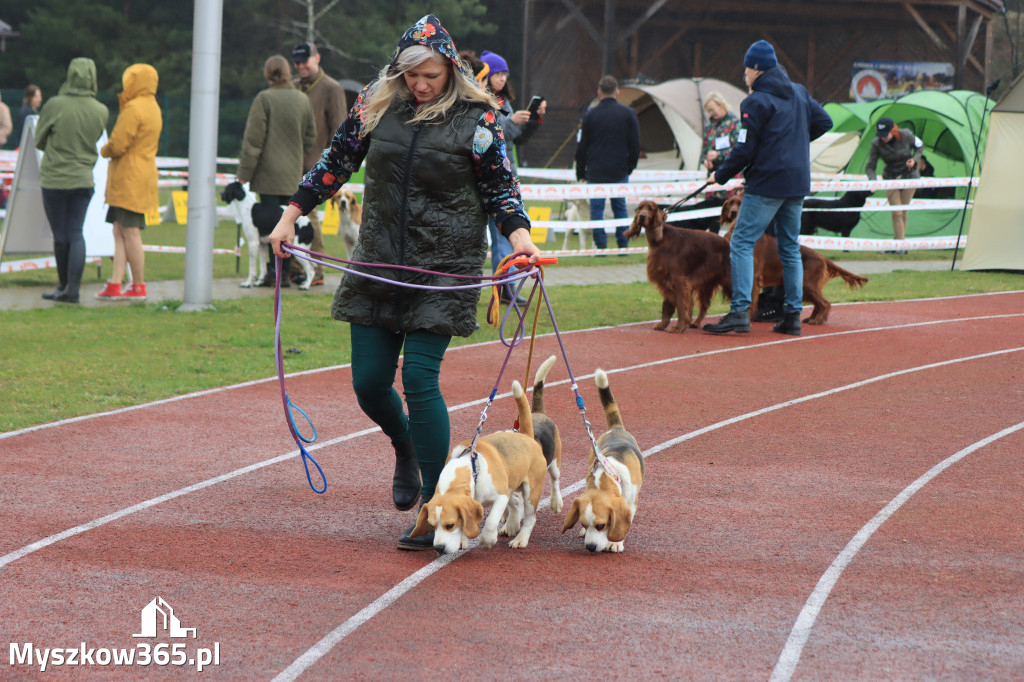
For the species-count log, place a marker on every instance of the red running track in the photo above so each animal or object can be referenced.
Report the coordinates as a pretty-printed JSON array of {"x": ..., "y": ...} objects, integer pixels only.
[{"x": 843, "y": 505}]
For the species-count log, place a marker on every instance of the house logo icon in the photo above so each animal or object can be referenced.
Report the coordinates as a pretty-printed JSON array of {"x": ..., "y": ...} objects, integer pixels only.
[{"x": 158, "y": 616}]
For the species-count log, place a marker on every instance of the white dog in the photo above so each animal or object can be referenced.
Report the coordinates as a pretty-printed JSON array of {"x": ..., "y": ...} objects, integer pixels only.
[
  {"x": 575, "y": 212},
  {"x": 258, "y": 221}
]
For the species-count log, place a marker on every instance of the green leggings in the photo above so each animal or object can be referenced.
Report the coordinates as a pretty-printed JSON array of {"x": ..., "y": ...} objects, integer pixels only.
[{"x": 375, "y": 354}]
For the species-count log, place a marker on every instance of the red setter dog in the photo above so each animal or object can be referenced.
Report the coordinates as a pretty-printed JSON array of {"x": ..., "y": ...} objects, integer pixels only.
[
  {"x": 818, "y": 270},
  {"x": 682, "y": 264}
]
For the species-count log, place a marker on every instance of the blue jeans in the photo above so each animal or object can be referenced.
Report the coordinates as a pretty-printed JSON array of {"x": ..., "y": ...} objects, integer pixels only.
[
  {"x": 500, "y": 245},
  {"x": 618, "y": 210},
  {"x": 756, "y": 213}
]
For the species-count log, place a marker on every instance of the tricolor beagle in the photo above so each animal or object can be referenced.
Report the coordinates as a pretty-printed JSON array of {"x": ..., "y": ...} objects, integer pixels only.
[
  {"x": 503, "y": 464},
  {"x": 606, "y": 507},
  {"x": 545, "y": 432}
]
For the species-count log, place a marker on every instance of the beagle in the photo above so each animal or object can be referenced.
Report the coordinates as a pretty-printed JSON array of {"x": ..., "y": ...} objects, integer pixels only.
[
  {"x": 606, "y": 508},
  {"x": 545, "y": 432},
  {"x": 350, "y": 217},
  {"x": 507, "y": 469}
]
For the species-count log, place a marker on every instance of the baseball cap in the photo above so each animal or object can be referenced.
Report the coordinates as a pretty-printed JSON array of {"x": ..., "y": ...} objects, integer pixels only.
[
  {"x": 884, "y": 127},
  {"x": 302, "y": 53}
]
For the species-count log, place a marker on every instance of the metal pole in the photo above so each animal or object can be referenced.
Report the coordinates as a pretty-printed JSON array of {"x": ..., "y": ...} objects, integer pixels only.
[{"x": 202, "y": 155}]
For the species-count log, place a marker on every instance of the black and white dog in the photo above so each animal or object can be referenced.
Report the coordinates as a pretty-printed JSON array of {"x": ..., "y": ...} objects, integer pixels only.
[{"x": 258, "y": 221}]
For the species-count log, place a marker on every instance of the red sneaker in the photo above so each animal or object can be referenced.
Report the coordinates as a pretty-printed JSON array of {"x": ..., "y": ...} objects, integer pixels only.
[
  {"x": 112, "y": 290},
  {"x": 138, "y": 292}
]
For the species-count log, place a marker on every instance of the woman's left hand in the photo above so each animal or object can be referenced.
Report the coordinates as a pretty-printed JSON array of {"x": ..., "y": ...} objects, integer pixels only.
[{"x": 521, "y": 242}]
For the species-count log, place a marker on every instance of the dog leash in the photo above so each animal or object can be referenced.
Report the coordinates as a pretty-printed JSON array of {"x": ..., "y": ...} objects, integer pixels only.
[
  {"x": 289, "y": 406},
  {"x": 689, "y": 196},
  {"x": 315, "y": 257}
]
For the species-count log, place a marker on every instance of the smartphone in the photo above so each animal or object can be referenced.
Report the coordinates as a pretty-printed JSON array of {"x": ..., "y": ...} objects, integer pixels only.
[{"x": 535, "y": 103}]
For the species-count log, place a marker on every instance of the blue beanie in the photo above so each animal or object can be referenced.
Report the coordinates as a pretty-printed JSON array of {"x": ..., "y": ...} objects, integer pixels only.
[
  {"x": 760, "y": 56},
  {"x": 495, "y": 61}
]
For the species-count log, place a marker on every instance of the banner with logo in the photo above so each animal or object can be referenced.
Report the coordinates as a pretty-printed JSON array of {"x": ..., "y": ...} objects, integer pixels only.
[{"x": 871, "y": 80}]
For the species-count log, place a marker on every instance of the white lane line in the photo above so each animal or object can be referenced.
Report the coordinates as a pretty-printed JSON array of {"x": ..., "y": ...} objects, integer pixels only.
[
  {"x": 791, "y": 652},
  {"x": 96, "y": 523},
  {"x": 318, "y": 650}
]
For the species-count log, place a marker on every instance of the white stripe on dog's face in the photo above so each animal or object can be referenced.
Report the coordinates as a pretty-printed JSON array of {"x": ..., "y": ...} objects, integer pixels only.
[
  {"x": 596, "y": 537},
  {"x": 447, "y": 531}
]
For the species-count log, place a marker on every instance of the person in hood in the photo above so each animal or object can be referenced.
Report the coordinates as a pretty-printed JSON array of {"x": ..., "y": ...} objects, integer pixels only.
[
  {"x": 436, "y": 167},
  {"x": 132, "y": 177},
  {"x": 779, "y": 121},
  {"x": 68, "y": 129}
]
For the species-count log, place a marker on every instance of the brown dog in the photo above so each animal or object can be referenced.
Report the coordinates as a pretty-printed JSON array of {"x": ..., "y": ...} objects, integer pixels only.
[
  {"x": 682, "y": 264},
  {"x": 606, "y": 508},
  {"x": 507, "y": 469},
  {"x": 350, "y": 217},
  {"x": 818, "y": 269}
]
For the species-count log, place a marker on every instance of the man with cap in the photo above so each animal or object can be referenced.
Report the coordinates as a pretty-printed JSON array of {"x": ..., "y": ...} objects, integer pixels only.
[
  {"x": 779, "y": 121},
  {"x": 329, "y": 111},
  {"x": 901, "y": 151}
]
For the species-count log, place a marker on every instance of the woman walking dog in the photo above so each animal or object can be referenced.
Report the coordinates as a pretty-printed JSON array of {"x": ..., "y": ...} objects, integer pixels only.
[{"x": 436, "y": 167}]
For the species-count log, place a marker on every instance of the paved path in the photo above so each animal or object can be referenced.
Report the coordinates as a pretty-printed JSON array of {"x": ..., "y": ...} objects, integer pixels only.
[{"x": 24, "y": 298}]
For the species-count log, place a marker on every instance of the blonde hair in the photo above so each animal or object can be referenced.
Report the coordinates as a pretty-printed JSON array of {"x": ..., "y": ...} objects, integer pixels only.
[
  {"x": 717, "y": 98},
  {"x": 277, "y": 71},
  {"x": 390, "y": 84}
]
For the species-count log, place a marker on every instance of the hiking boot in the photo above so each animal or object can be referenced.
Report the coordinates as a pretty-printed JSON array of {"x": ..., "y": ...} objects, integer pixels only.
[
  {"x": 112, "y": 290},
  {"x": 65, "y": 297},
  {"x": 416, "y": 544},
  {"x": 790, "y": 324},
  {"x": 772, "y": 314},
  {"x": 733, "y": 322},
  {"x": 50, "y": 295},
  {"x": 405, "y": 486}
]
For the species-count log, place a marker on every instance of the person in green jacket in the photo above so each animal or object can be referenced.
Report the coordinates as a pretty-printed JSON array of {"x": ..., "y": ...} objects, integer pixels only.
[
  {"x": 279, "y": 132},
  {"x": 69, "y": 127}
]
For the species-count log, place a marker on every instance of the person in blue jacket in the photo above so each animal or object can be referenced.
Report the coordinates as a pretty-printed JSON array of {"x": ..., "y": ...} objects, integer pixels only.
[{"x": 779, "y": 121}]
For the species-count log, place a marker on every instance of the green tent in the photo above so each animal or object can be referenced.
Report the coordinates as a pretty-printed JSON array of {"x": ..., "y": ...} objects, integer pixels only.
[
  {"x": 852, "y": 117},
  {"x": 952, "y": 127}
]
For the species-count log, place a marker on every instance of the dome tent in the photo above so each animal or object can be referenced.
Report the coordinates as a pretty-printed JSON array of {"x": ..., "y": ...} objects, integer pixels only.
[
  {"x": 951, "y": 126},
  {"x": 996, "y": 239},
  {"x": 671, "y": 116}
]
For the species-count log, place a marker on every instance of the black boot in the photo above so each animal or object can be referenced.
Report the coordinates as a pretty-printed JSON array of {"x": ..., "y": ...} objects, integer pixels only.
[
  {"x": 769, "y": 304},
  {"x": 790, "y": 324},
  {"x": 60, "y": 256},
  {"x": 733, "y": 322},
  {"x": 405, "y": 486},
  {"x": 417, "y": 544},
  {"x": 50, "y": 295}
]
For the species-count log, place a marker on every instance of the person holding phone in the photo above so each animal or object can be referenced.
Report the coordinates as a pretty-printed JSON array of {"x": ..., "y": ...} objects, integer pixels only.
[{"x": 491, "y": 71}]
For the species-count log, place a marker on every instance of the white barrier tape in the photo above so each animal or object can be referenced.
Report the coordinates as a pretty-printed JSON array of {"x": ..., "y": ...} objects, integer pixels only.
[
  {"x": 612, "y": 191},
  {"x": 37, "y": 264},
  {"x": 919, "y": 244},
  {"x": 914, "y": 205},
  {"x": 875, "y": 185},
  {"x": 569, "y": 174},
  {"x": 181, "y": 249}
]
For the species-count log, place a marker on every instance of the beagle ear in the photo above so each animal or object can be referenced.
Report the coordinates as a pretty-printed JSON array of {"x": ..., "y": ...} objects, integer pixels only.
[
  {"x": 471, "y": 514},
  {"x": 621, "y": 519},
  {"x": 572, "y": 516},
  {"x": 422, "y": 526}
]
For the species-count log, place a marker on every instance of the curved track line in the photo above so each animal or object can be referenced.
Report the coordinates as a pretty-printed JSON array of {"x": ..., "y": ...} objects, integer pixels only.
[
  {"x": 790, "y": 655},
  {"x": 321, "y": 648},
  {"x": 63, "y": 535}
]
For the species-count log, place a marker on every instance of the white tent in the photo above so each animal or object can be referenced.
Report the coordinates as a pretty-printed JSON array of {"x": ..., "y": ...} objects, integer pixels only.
[
  {"x": 996, "y": 237},
  {"x": 671, "y": 118}
]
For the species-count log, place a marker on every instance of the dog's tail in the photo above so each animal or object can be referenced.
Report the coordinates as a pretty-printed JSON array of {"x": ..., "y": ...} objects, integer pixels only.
[
  {"x": 612, "y": 416},
  {"x": 525, "y": 418},
  {"x": 851, "y": 279},
  {"x": 538, "y": 383}
]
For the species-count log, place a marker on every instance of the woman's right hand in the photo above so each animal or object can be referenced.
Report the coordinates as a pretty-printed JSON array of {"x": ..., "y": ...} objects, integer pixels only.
[{"x": 284, "y": 231}]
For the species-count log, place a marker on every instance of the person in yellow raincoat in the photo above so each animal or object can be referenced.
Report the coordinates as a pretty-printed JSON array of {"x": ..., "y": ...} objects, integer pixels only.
[{"x": 132, "y": 177}]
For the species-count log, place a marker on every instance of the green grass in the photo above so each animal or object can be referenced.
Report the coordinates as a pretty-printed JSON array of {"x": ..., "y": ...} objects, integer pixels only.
[{"x": 65, "y": 361}]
